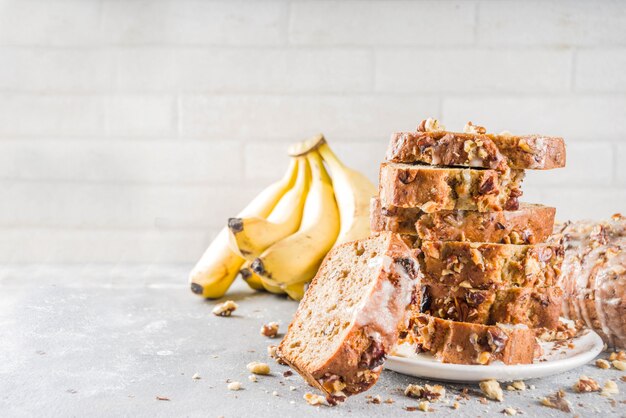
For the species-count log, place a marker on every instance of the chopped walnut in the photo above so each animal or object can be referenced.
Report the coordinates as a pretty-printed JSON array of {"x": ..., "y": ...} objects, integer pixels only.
[
  {"x": 430, "y": 125},
  {"x": 313, "y": 399},
  {"x": 492, "y": 389},
  {"x": 483, "y": 357},
  {"x": 603, "y": 364},
  {"x": 470, "y": 128},
  {"x": 424, "y": 406},
  {"x": 586, "y": 384},
  {"x": 432, "y": 393},
  {"x": 258, "y": 368},
  {"x": 234, "y": 386},
  {"x": 270, "y": 330},
  {"x": 557, "y": 401},
  {"x": 619, "y": 364},
  {"x": 225, "y": 309},
  {"x": 609, "y": 389}
]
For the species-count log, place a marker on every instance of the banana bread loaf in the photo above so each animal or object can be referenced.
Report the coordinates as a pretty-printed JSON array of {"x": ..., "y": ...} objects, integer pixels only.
[
  {"x": 350, "y": 316},
  {"x": 534, "y": 307},
  {"x": 434, "y": 189},
  {"x": 594, "y": 275},
  {"x": 528, "y": 225},
  {"x": 485, "y": 265},
  {"x": 465, "y": 343},
  {"x": 493, "y": 151}
]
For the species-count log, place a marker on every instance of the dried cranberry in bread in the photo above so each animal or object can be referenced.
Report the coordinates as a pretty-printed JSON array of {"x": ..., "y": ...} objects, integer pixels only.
[
  {"x": 350, "y": 316},
  {"x": 485, "y": 265},
  {"x": 434, "y": 189},
  {"x": 493, "y": 151},
  {"x": 534, "y": 307},
  {"x": 465, "y": 343},
  {"x": 528, "y": 225},
  {"x": 594, "y": 275}
]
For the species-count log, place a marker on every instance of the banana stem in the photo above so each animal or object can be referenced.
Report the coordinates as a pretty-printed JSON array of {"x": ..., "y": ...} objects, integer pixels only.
[{"x": 329, "y": 156}]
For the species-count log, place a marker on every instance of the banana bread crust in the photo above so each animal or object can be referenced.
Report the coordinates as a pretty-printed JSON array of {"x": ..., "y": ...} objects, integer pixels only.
[
  {"x": 529, "y": 224},
  {"x": 465, "y": 343},
  {"x": 356, "y": 363},
  {"x": 536, "y": 152},
  {"x": 534, "y": 307},
  {"x": 433, "y": 189},
  {"x": 485, "y": 265}
]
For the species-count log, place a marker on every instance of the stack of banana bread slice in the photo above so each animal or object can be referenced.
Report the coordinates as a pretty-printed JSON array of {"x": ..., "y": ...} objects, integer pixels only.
[{"x": 490, "y": 278}]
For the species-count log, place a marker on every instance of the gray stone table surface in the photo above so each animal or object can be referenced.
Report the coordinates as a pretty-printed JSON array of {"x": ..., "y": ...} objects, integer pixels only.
[{"x": 107, "y": 340}]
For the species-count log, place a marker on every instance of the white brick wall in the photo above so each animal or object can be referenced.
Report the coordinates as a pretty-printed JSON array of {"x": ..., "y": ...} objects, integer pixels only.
[{"x": 130, "y": 130}]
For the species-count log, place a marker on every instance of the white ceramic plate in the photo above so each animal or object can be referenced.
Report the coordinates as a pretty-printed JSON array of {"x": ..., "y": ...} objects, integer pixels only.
[{"x": 586, "y": 347}]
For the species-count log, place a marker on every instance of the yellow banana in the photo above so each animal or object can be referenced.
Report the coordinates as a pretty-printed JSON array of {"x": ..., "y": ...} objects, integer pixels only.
[
  {"x": 249, "y": 237},
  {"x": 353, "y": 192},
  {"x": 250, "y": 278},
  {"x": 218, "y": 267},
  {"x": 296, "y": 291},
  {"x": 297, "y": 257}
]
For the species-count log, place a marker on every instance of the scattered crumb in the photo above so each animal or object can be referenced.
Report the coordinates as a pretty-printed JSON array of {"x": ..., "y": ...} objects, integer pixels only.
[
  {"x": 610, "y": 388},
  {"x": 410, "y": 408},
  {"x": 492, "y": 389},
  {"x": 586, "y": 384},
  {"x": 234, "y": 386},
  {"x": 274, "y": 393},
  {"x": 258, "y": 368},
  {"x": 225, "y": 309},
  {"x": 424, "y": 406},
  {"x": 431, "y": 393},
  {"x": 196, "y": 376},
  {"x": 272, "y": 351},
  {"x": 531, "y": 387},
  {"x": 252, "y": 378},
  {"x": 313, "y": 399},
  {"x": 509, "y": 411},
  {"x": 623, "y": 378},
  {"x": 619, "y": 365},
  {"x": 519, "y": 385},
  {"x": 162, "y": 398},
  {"x": 483, "y": 400},
  {"x": 389, "y": 400},
  {"x": 456, "y": 405},
  {"x": 292, "y": 388},
  {"x": 603, "y": 364},
  {"x": 376, "y": 400},
  {"x": 287, "y": 373},
  {"x": 270, "y": 330},
  {"x": 557, "y": 401}
]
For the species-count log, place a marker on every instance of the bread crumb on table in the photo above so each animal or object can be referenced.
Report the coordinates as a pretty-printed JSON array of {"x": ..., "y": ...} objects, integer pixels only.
[
  {"x": 258, "y": 368},
  {"x": 609, "y": 389},
  {"x": 431, "y": 393},
  {"x": 557, "y": 401},
  {"x": 492, "y": 389},
  {"x": 586, "y": 384},
  {"x": 252, "y": 378},
  {"x": 509, "y": 411},
  {"x": 313, "y": 399},
  {"x": 196, "y": 376},
  {"x": 234, "y": 386}
]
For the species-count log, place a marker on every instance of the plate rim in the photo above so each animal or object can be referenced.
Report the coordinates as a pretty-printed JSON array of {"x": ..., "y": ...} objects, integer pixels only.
[{"x": 549, "y": 366}]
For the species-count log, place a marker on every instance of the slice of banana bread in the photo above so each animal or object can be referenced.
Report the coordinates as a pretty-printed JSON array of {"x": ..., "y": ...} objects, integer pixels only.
[
  {"x": 534, "y": 307},
  {"x": 494, "y": 151},
  {"x": 528, "y": 225},
  {"x": 350, "y": 316},
  {"x": 465, "y": 343},
  {"x": 434, "y": 189},
  {"x": 484, "y": 265}
]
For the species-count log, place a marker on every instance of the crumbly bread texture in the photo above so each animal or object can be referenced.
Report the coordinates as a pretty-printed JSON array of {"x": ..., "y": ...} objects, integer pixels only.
[
  {"x": 350, "y": 316},
  {"x": 432, "y": 189},
  {"x": 486, "y": 265},
  {"x": 529, "y": 224},
  {"x": 465, "y": 343},
  {"x": 534, "y": 307},
  {"x": 594, "y": 275},
  {"x": 536, "y": 152}
]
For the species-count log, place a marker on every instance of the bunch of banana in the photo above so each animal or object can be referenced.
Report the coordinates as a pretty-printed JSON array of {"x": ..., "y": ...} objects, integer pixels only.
[{"x": 278, "y": 242}]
